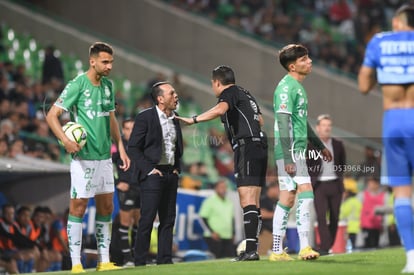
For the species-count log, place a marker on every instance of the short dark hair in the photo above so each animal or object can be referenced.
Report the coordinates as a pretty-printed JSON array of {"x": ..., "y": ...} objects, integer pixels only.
[
  {"x": 224, "y": 74},
  {"x": 5, "y": 206},
  {"x": 22, "y": 209},
  {"x": 156, "y": 91},
  {"x": 407, "y": 12},
  {"x": 290, "y": 54},
  {"x": 98, "y": 47}
]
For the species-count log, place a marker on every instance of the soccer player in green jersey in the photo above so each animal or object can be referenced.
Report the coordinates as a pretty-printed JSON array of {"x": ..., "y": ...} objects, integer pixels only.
[
  {"x": 90, "y": 100},
  {"x": 291, "y": 136}
]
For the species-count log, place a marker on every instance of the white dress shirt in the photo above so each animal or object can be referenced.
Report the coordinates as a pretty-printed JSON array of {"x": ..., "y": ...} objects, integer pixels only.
[
  {"x": 328, "y": 168},
  {"x": 169, "y": 135}
]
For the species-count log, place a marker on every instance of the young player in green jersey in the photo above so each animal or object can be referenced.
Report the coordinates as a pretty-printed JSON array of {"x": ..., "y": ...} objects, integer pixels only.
[
  {"x": 90, "y": 100},
  {"x": 291, "y": 136}
]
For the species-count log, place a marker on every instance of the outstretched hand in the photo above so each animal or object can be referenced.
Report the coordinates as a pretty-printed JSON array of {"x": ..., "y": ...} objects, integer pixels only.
[{"x": 186, "y": 120}]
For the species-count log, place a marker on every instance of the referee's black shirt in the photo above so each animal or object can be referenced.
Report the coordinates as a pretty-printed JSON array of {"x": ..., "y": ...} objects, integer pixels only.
[
  {"x": 242, "y": 118},
  {"x": 124, "y": 176}
]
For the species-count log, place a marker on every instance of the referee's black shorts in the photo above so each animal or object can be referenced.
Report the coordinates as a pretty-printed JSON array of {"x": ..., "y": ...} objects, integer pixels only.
[
  {"x": 250, "y": 164},
  {"x": 130, "y": 199}
]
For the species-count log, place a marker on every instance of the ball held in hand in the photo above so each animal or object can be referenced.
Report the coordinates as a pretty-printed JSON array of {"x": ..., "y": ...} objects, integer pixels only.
[{"x": 75, "y": 132}]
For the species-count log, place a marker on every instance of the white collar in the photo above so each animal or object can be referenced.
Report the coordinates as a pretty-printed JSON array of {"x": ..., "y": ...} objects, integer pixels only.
[{"x": 161, "y": 114}]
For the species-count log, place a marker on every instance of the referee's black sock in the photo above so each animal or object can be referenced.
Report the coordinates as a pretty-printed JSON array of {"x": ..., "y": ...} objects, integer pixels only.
[
  {"x": 124, "y": 242},
  {"x": 251, "y": 221}
]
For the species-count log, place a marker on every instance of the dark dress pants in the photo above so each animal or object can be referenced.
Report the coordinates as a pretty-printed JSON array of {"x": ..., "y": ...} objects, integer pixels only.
[
  {"x": 158, "y": 194},
  {"x": 328, "y": 197}
]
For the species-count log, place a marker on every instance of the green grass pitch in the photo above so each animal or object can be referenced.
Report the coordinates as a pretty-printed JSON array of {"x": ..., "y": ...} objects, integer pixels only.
[{"x": 378, "y": 262}]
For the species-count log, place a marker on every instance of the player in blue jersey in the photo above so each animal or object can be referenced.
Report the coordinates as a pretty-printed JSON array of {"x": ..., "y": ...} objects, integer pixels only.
[{"x": 391, "y": 56}]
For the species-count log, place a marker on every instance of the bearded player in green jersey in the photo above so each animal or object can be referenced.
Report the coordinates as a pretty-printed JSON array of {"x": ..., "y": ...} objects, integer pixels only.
[
  {"x": 90, "y": 99},
  {"x": 292, "y": 132}
]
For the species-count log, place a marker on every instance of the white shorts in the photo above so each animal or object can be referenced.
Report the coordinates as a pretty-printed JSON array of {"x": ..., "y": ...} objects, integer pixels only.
[
  {"x": 286, "y": 182},
  {"x": 90, "y": 178}
]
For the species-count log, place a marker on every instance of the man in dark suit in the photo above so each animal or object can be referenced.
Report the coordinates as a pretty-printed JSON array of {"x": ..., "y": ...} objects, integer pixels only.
[
  {"x": 156, "y": 147},
  {"x": 327, "y": 183}
]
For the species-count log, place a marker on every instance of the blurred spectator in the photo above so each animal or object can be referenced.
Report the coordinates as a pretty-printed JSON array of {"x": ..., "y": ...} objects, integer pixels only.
[
  {"x": 339, "y": 12},
  {"x": 37, "y": 147},
  {"x": 371, "y": 223},
  {"x": 4, "y": 108},
  {"x": 26, "y": 234},
  {"x": 190, "y": 180},
  {"x": 268, "y": 201},
  {"x": 50, "y": 228},
  {"x": 58, "y": 240},
  {"x": 38, "y": 220},
  {"x": 196, "y": 178},
  {"x": 9, "y": 241},
  {"x": 391, "y": 223},
  {"x": 371, "y": 166},
  {"x": 16, "y": 148},
  {"x": 217, "y": 138},
  {"x": 224, "y": 161},
  {"x": 17, "y": 93},
  {"x": 320, "y": 25},
  {"x": 19, "y": 74},
  {"x": 4, "y": 85},
  {"x": 7, "y": 131},
  {"x": 143, "y": 103},
  {"x": 217, "y": 213},
  {"x": 351, "y": 209},
  {"x": 4, "y": 148},
  {"x": 52, "y": 69}
]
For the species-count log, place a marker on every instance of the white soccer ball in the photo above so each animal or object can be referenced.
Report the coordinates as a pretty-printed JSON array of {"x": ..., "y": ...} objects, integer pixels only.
[
  {"x": 75, "y": 132},
  {"x": 241, "y": 247}
]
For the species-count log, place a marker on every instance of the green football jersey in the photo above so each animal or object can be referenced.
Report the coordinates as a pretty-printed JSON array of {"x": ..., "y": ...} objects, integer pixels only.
[
  {"x": 90, "y": 106},
  {"x": 290, "y": 98}
]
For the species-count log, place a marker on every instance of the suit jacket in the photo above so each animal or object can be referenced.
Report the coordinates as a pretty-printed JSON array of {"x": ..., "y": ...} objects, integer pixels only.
[
  {"x": 145, "y": 144},
  {"x": 339, "y": 158}
]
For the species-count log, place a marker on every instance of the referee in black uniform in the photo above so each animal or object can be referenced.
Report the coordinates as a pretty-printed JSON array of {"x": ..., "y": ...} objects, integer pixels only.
[
  {"x": 242, "y": 121},
  {"x": 129, "y": 203}
]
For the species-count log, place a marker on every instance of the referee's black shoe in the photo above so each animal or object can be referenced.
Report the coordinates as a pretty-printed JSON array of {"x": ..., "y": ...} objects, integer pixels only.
[{"x": 247, "y": 256}]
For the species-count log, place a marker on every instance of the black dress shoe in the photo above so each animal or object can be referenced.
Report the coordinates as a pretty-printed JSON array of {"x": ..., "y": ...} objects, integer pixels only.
[{"x": 247, "y": 256}]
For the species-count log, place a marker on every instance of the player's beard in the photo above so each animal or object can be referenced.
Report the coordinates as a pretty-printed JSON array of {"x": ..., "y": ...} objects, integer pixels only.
[{"x": 101, "y": 73}]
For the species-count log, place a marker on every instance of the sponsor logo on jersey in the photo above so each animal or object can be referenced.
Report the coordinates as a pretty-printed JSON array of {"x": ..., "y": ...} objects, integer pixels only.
[
  {"x": 107, "y": 91},
  {"x": 254, "y": 106},
  {"x": 283, "y": 97},
  {"x": 100, "y": 114},
  {"x": 88, "y": 102},
  {"x": 92, "y": 114}
]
